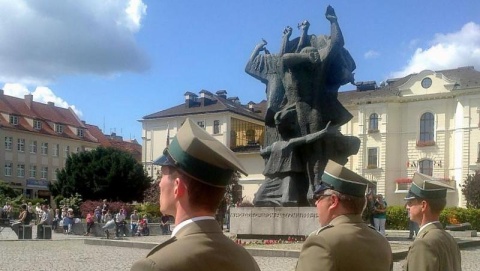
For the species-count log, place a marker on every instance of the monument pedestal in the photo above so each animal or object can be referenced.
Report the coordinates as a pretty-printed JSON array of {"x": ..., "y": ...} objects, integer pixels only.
[{"x": 273, "y": 222}]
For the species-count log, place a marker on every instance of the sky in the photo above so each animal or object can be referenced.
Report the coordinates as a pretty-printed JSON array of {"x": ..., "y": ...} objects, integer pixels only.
[{"x": 115, "y": 61}]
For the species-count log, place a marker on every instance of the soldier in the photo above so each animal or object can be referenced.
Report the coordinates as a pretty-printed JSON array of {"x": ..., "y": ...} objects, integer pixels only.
[
  {"x": 433, "y": 248},
  {"x": 344, "y": 241},
  {"x": 196, "y": 168}
]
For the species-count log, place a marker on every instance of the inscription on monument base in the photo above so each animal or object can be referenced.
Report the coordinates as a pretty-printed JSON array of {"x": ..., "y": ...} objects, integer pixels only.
[{"x": 273, "y": 220}]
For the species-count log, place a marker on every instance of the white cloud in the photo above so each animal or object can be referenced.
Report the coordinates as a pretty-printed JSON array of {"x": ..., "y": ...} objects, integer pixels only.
[
  {"x": 371, "y": 54},
  {"x": 447, "y": 51},
  {"x": 40, "y": 94},
  {"x": 42, "y": 41}
]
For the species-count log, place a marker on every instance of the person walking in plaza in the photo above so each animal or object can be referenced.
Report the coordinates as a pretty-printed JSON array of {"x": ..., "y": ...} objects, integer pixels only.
[
  {"x": 90, "y": 222},
  {"x": 433, "y": 249},
  {"x": 380, "y": 214},
  {"x": 98, "y": 214},
  {"x": 196, "y": 168},
  {"x": 344, "y": 241}
]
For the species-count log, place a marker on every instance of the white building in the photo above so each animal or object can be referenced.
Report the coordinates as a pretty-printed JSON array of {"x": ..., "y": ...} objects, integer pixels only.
[
  {"x": 238, "y": 126},
  {"x": 427, "y": 122}
]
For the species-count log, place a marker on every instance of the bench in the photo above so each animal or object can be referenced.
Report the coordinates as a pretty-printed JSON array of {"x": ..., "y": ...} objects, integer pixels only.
[{"x": 4, "y": 223}]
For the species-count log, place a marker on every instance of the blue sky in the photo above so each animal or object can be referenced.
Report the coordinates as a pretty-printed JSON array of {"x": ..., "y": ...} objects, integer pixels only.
[{"x": 115, "y": 61}]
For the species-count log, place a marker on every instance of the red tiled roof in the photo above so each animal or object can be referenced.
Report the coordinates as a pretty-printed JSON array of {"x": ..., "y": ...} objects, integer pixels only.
[{"x": 47, "y": 114}]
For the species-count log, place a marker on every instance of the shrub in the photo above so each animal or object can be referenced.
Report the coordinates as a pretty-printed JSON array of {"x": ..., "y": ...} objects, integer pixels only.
[
  {"x": 114, "y": 207},
  {"x": 150, "y": 209},
  {"x": 397, "y": 218}
]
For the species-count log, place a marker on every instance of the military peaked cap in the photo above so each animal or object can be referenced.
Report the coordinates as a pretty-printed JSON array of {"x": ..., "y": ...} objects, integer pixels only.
[
  {"x": 200, "y": 156},
  {"x": 426, "y": 187}
]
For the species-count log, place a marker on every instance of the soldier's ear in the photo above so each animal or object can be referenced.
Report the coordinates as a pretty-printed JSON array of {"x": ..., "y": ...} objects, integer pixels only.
[{"x": 180, "y": 189}]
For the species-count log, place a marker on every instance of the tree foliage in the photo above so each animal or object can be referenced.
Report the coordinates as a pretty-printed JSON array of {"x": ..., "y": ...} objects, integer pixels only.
[
  {"x": 152, "y": 194},
  {"x": 471, "y": 190},
  {"x": 103, "y": 173}
]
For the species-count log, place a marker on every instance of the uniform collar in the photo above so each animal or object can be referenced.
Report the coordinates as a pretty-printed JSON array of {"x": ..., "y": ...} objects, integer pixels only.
[{"x": 188, "y": 221}]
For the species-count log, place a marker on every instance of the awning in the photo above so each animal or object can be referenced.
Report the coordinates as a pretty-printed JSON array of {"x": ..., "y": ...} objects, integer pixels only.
[{"x": 403, "y": 180}]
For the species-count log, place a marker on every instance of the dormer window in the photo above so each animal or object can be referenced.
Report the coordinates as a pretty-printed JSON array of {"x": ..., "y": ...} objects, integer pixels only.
[
  {"x": 37, "y": 125},
  {"x": 13, "y": 120},
  {"x": 80, "y": 132},
  {"x": 58, "y": 128}
]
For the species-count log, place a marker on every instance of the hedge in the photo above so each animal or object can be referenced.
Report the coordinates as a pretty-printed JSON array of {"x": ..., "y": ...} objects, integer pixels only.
[{"x": 397, "y": 218}]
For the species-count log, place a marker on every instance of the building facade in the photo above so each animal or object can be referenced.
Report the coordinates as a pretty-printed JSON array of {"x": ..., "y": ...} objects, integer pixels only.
[
  {"x": 241, "y": 127},
  {"x": 427, "y": 122},
  {"x": 37, "y": 140}
]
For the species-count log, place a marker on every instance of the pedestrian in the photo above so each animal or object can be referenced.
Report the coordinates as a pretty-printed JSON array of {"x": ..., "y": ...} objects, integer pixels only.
[
  {"x": 344, "y": 241},
  {"x": 196, "y": 168},
  {"x": 380, "y": 214},
  {"x": 433, "y": 248},
  {"x": 134, "y": 222},
  {"x": 164, "y": 224},
  {"x": 90, "y": 222},
  {"x": 98, "y": 214},
  {"x": 412, "y": 226}
]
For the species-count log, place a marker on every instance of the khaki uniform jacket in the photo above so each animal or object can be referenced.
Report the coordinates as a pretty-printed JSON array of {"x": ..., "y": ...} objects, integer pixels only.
[
  {"x": 199, "y": 246},
  {"x": 433, "y": 249},
  {"x": 346, "y": 244}
]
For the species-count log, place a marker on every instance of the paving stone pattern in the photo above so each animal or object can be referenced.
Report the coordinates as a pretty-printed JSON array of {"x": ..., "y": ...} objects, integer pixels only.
[{"x": 67, "y": 252}]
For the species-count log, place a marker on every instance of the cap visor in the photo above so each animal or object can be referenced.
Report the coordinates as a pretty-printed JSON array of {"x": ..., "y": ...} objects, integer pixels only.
[{"x": 164, "y": 160}]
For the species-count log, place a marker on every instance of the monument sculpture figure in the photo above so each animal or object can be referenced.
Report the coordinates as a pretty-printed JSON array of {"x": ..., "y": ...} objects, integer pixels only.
[{"x": 302, "y": 83}]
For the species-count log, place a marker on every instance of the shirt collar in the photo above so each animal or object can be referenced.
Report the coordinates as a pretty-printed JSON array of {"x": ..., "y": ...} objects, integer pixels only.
[{"x": 188, "y": 221}]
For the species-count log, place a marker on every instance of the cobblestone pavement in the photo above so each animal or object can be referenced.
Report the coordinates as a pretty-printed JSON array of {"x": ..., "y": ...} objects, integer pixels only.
[{"x": 67, "y": 252}]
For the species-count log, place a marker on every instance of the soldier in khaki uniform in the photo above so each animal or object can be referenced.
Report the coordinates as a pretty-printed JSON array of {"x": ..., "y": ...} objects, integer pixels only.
[
  {"x": 433, "y": 249},
  {"x": 196, "y": 168},
  {"x": 344, "y": 242}
]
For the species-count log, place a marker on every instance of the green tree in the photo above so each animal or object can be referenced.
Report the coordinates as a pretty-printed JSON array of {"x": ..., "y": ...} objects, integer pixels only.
[
  {"x": 6, "y": 191},
  {"x": 103, "y": 173},
  {"x": 152, "y": 194},
  {"x": 471, "y": 190}
]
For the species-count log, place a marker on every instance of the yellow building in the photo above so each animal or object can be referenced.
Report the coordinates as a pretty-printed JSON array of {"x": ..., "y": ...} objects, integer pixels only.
[
  {"x": 427, "y": 122},
  {"x": 37, "y": 139}
]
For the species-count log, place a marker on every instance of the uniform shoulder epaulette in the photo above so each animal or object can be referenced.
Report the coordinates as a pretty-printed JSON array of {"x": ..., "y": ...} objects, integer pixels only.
[{"x": 323, "y": 228}]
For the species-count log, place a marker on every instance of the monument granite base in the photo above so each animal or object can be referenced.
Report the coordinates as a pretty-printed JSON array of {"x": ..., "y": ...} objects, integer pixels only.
[{"x": 279, "y": 222}]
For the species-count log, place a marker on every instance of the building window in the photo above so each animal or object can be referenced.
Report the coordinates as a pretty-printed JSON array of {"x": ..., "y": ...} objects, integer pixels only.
[
  {"x": 33, "y": 146},
  {"x": 216, "y": 127},
  {"x": 373, "y": 123},
  {"x": 250, "y": 135},
  {"x": 54, "y": 174},
  {"x": 37, "y": 125},
  {"x": 13, "y": 120},
  {"x": 8, "y": 143},
  {"x": 426, "y": 167},
  {"x": 44, "y": 172},
  {"x": 372, "y": 159},
  {"x": 403, "y": 187},
  {"x": 67, "y": 151},
  {"x": 80, "y": 132},
  {"x": 427, "y": 121},
  {"x": 44, "y": 148},
  {"x": 58, "y": 128},
  {"x": 245, "y": 134},
  {"x": 8, "y": 169},
  {"x": 20, "y": 170},
  {"x": 56, "y": 149},
  {"x": 33, "y": 171},
  {"x": 201, "y": 124},
  {"x": 21, "y": 144}
]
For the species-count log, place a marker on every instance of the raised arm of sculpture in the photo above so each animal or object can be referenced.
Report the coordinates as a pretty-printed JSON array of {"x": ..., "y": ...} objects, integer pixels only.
[
  {"x": 254, "y": 66},
  {"x": 307, "y": 54},
  {"x": 302, "y": 43},
  {"x": 336, "y": 37},
  {"x": 287, "y": 32}
]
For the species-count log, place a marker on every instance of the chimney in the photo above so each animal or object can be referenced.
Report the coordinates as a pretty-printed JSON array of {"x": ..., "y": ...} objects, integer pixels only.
[
  {"x": 222, "y": 93},
  {"x": 190, "y": 99},
  {"x": 366, "y": 85},
  {"x": 1, "y": 92},
  {"x": 234, "y": 99},
  {"x": 28, "y": 100},
  {"x": 51, "y": 103},
  {"x": 251, "y": 106},
  {"x": 206, "y": 97}
]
